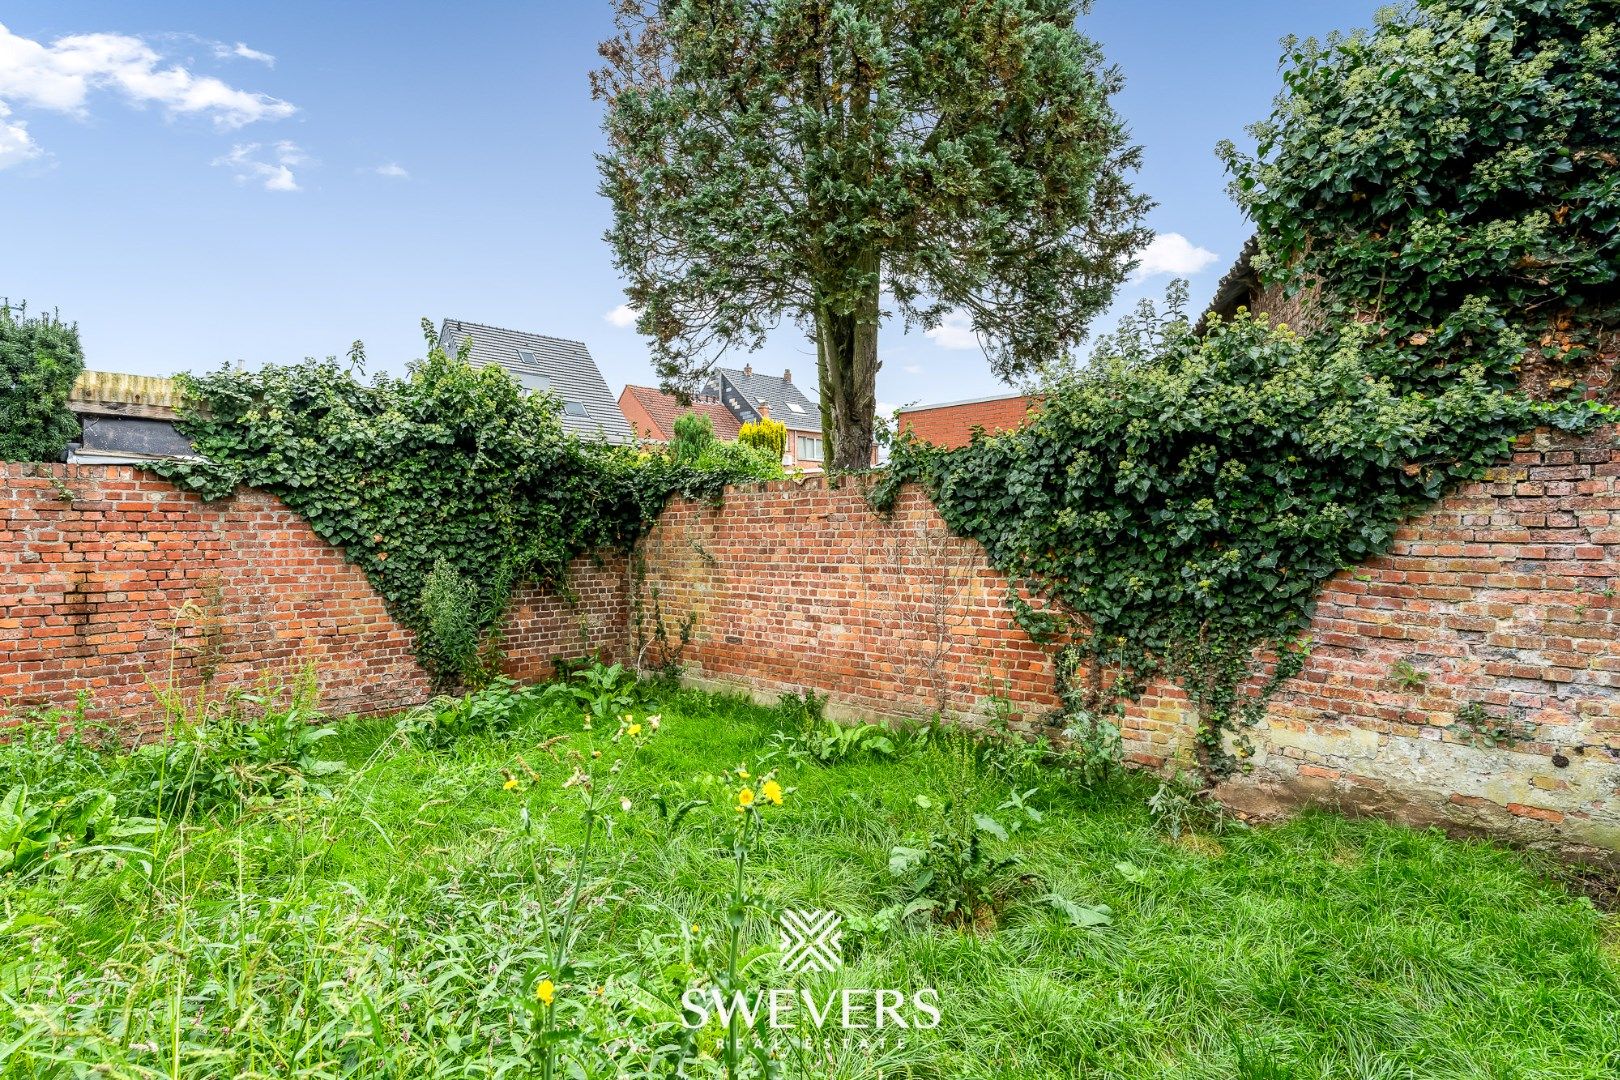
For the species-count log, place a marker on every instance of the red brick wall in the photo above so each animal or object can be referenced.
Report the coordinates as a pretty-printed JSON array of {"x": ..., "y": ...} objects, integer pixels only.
[
  {"x": 1501, "y": 599},
  {"x": 797, "y": 586},
  {"x": 1503, "y": 596},
  {"x": 952, "y": 426},
  {"x": 113, "y": 582}
]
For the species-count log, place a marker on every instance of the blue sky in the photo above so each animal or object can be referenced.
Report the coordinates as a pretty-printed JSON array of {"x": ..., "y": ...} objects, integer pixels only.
[{"x": 199, "y": 183}]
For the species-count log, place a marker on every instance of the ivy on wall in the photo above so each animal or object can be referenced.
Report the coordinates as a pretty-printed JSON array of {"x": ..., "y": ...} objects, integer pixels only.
[
  {"x": 449, "y": 487},
  {"x": 1445, "y": 190}
]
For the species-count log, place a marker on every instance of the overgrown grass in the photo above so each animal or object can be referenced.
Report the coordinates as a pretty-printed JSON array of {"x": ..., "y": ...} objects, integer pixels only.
[{"x": 393, "y": 928}]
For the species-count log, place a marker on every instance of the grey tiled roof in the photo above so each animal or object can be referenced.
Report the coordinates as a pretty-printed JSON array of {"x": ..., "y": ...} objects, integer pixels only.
[
  {"x": 564, "y": 367},
  {"x": 1236, "y": 288},
  {"x": 744, "y": 392}
]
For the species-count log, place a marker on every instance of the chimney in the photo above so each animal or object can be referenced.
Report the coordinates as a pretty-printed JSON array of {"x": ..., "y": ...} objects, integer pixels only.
[
  {"x": 748, "y": 369},
  {"x": 787, "y": 375}
]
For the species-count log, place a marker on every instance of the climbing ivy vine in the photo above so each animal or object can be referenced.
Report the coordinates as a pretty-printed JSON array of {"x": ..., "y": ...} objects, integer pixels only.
[
  {"x": 1442, "y": 194},
  {"x": 448, "y": 487}
]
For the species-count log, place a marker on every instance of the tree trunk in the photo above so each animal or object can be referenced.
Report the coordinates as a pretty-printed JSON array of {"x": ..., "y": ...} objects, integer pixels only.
[{"x": 847, "y": 362}]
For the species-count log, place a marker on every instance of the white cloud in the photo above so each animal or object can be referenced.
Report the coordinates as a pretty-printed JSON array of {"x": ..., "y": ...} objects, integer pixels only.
[
  {"x": 1172, "y": 253},
  {"x": 623, "y": 315},
  {"x": 16, "y": 145},
  {"x": 272, "y": 165},
  {"x": 394, "y": 170},
  {"x": 241, "y": 51},
  {"x": 914, "y": 369},
  {"x": 955, "y": 331},
  {"x": 61, "y": 76}
]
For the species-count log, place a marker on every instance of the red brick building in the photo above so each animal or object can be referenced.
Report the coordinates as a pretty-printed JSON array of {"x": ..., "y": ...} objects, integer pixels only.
[
  {"x": 652, "y": 414},
  {"x": 951, "y": 425}
]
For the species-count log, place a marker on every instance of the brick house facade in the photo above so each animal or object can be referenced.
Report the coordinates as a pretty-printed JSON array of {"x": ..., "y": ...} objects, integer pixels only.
[{"x": 951, "y": 425}]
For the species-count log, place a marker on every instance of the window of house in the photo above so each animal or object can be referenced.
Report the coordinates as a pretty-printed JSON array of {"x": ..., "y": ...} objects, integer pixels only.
[
  {"x": 530, "y": 381},
  {"x": 809, "y": 448},
  {"x": 574, "y": 408},
  {"x": 795, "y": 407},
  {"x": 526, "y": 356}
]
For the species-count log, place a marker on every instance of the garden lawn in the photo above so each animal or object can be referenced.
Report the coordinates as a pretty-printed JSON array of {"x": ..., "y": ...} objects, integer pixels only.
[{"x": 395, "y": 927}]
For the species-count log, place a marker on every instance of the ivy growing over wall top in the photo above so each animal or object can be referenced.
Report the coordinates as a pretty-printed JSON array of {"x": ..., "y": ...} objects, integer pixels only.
[
  {"x": 448, "y": 487},
  {"x": 1445, "y": 189}
]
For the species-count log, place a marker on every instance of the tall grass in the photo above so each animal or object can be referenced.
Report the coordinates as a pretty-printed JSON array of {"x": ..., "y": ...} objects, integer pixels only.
[{"x": 393, "y": 922}]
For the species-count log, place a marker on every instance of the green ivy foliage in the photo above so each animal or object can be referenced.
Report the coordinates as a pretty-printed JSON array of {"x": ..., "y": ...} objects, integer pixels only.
[
  {"x": 1453, "y": 175},
  {"x": 40, "y": 358},
  {"x": 1178, "y": 503},
  {"x": 452, "y": 474}
]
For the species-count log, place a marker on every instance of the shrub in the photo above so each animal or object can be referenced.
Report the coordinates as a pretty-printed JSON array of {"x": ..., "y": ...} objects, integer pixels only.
[
  {"x": 40, "y": 358},
  {"x": 694, "y": 433},
  {"x": 770, "y": 436}
]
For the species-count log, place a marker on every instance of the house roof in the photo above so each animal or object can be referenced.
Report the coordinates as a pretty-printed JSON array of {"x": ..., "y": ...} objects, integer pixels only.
[
  {"x": 776, "y": 393},
  {"x": 663, "y": 410},
  {"x": 563, "y": 367},
  {"x": 1235, "y": 288}
]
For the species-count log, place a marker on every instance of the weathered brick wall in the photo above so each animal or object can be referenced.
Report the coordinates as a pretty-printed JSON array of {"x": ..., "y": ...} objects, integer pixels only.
[
  {"x": 798, "y": 586},
  {"x": 114, "y": 583},
  {"x": 1471, "y": 676},
  {"x": 1501, "y": 597}
]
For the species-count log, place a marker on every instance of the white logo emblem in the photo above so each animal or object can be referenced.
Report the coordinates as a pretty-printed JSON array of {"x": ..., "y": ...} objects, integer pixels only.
[{"x": 810, "y": 940}]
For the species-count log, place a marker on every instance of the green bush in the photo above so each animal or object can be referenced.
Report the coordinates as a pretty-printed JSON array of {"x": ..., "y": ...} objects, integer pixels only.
[
  {"x": 694, "y": 433},
  {"x": 40, "y": 358},
  {"x": 1451, "y": 175},
  {"x": 770, "y": 436}
]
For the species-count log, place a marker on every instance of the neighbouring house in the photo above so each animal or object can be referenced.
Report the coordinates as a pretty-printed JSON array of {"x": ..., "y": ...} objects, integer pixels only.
[
  {"x": 951, "y": 425},
  {"x": 750, "y": 395},
  {"x": 124, "y": 419},
  {"x": 554, "y": 365},
  {"x": 652, "y": 414}
]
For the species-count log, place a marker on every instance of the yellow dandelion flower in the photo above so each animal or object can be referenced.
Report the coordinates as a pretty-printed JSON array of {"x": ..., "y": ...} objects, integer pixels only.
[
  {"x": 633, "y": 730},
  {"x": 745, "y": 797},
  {"x": 742, "y": 772},
  {"x": 546, "y": 991},
  {"x": 511, "y": 785},
  {"x": 772, "y": 792},
  {"x": 696, "y": 929}
]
